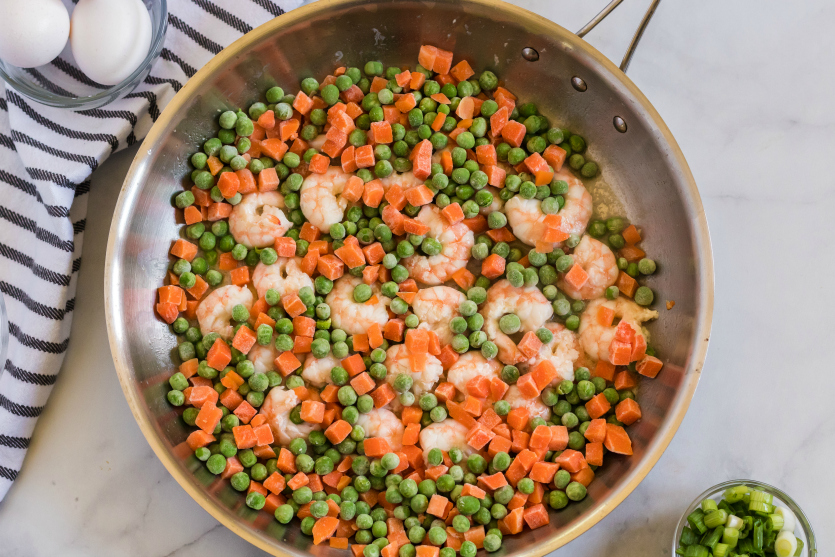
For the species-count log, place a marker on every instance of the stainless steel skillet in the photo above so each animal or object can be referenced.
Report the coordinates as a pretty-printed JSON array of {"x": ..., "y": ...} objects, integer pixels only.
[{"x": 644, "y": 175}]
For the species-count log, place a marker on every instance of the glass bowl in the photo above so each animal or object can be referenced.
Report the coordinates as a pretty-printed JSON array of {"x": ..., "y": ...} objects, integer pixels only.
[
  {"x": 805, "y": 532},
  {"x": 61, "y": 84}
]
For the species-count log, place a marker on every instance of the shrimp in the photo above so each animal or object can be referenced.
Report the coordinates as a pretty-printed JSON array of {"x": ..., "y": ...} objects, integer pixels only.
[
  {"x": 406, "y": 181},
  {"x": 214, "y": 314},
  {"x": 595, "y": 339},
  {"x": 444, "y": 436},
  {"x": 277, "y": 407},
  {"x": 526, "y": 218},
  {"x": 285, "y": 276},
  {"x": 535, "y": 406},
  {"x": 599, "y": 263},
  {"x": 528, "y": 303},
  {"x": 352, "y": 317},
  {"x": 258, "y": 220},
  {"x": 497, "y": 204},
  {"x": 263, "y": 357},
  {"x": 317, "y": 371},
  {"x": 561, "y": 351},
  {"x": 577, "y": 210},
  {"x": 456, "y": 242},
  {"x": 320, "y": 198},
  {"x": 436, "y": 306},
  {"x": 398, "y": 360},
  {"x": 470, "y": 365},
  {"x": 381, "y": 422}
]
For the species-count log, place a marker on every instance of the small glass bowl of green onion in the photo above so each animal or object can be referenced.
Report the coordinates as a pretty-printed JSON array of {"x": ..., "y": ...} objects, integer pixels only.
[{"x": 744, "y": 518}]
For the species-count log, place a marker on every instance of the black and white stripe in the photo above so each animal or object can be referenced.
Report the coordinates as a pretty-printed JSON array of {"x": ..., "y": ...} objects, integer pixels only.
[{"x": 46, "y": 158}]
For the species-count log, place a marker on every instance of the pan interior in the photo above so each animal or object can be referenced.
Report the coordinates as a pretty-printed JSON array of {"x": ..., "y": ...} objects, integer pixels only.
[{"x": 644, "y": 177}]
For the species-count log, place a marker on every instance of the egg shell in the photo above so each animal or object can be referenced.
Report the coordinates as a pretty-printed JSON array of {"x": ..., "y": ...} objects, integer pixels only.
[
  {"x": 110, "y": 38},
  {"x": 34, "y": 31}
]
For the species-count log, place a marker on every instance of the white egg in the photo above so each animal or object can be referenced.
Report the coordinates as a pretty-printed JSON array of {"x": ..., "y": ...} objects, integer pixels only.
[
  {"x": 110, "y": 38},
  {"x": 34, "y": 31}
]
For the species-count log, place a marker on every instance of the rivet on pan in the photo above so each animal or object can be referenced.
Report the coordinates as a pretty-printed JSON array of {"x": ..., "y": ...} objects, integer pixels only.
[
  {"x": 530, "y": 54},
  {"x": 579, "y": 84},
  {"x": 620, "y": 124}
]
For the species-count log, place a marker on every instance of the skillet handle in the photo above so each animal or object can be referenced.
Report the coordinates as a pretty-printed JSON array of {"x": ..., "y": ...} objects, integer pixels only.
[{"x": 627, "y": 57}]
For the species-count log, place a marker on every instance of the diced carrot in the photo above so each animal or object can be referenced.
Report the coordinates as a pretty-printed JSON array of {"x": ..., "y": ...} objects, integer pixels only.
[
  {"x": 214, "y": 165},
  {"x": 302, "y": 345},
  {"x": 536, "y": 516},
  {"x": 571, "y": 460},
  {"x": 631, "y": 235},
  {"x": 287, "y": 363},
  {"x": 620, "y": 352},
  {"x": 376, "y": 446},
  {"x": 594, "y": 453},
  {"x": 518, "y": 500},
  {"x": 274, "y": 148},
  {"x": 364, "y": 156},
  {"x": 363, "y": 383},
  {"x": 529, "y": 346},
  {"x": 324, "y": 528},
  {"x": 245, "y": 412},
  {"x": 219, "y": 355},
  {"x": 239, "y": 276},
  {"x": 452, "y": 213},
  {"x": 373, "y": 193},
  {"x": 233, "y": 466},
  {"x": 218, "y": 211},
  {"x": 462, "y": 71},
  {"x": 353, "y": 365},
  {"x": 427, "y": 551},
  {"x": 350, "y": 254},
  {"x": 286, "y": 462},
  {"x": 303, "y": 103},
  {"x": 576, "y": 277},
  {"x": 476, "y": 536},
  {"x": 493, "y": 266},
  {"x": 498, "y": 388},
  {"x": 184, "y": 250},
  {"x": 244, "y": 437},
  {"x": 192, "y": 214},
  {"x": 554, "y": 156},
  {"x": 457, "y": 413},
  {"x": 628, "y": 411},
  {"x": 199, "y": 438},
  {"x": 244, "y": 339},
  {"x": 543, "y": 472},
  {"x": 513, "y": 133},
  {"x": 447, "y": 357},
  {"x": 263, "y": 433},
  {"x": 312, "y": 411},
  {"x": 479, "y": 387},
  {"x": 514, "y": 521},
  {"x": 338, "y": 431},
  {"x": 393, "y": 330},
  {"x": 318, "y": 164},
  {"x": 228, "y": 184},
  {"x": 330, "y": 266},
  {"x": 540, "y": 438},
  {"x": 605, "y": 370},
  {"x": 649, "y": 366},
  {"x": 437, "y": 505},
  {"x": 463, "y": 278},
  {"x": 518, "y": 418},
  {"x": 596, "y": 432},
  {"x": 419, "y": 196},
  {"x": 499, "y": 120},
  {"x": 527, "y": 386},
  {"x": 478, "y": 437},
  {"x": 626, "y": 284},
  {"x": 520, "y": 440},
  {"x": 381, "y": 132},
  {"x": 631, "y": 253},
  {"x": 598, "y": 406},
  {"x": 208, "y": 417}
]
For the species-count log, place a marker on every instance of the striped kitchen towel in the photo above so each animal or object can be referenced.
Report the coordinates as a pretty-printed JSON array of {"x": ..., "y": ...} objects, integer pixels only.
[{"x": 46, "y": 158}]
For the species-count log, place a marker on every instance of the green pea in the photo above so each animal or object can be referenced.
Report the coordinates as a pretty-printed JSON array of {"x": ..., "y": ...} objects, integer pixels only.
[{"x": 644, "y": 296}]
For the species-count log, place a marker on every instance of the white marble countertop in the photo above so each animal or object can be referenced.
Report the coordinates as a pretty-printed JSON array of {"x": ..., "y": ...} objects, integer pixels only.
[{"x": 747, "y": 89}]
